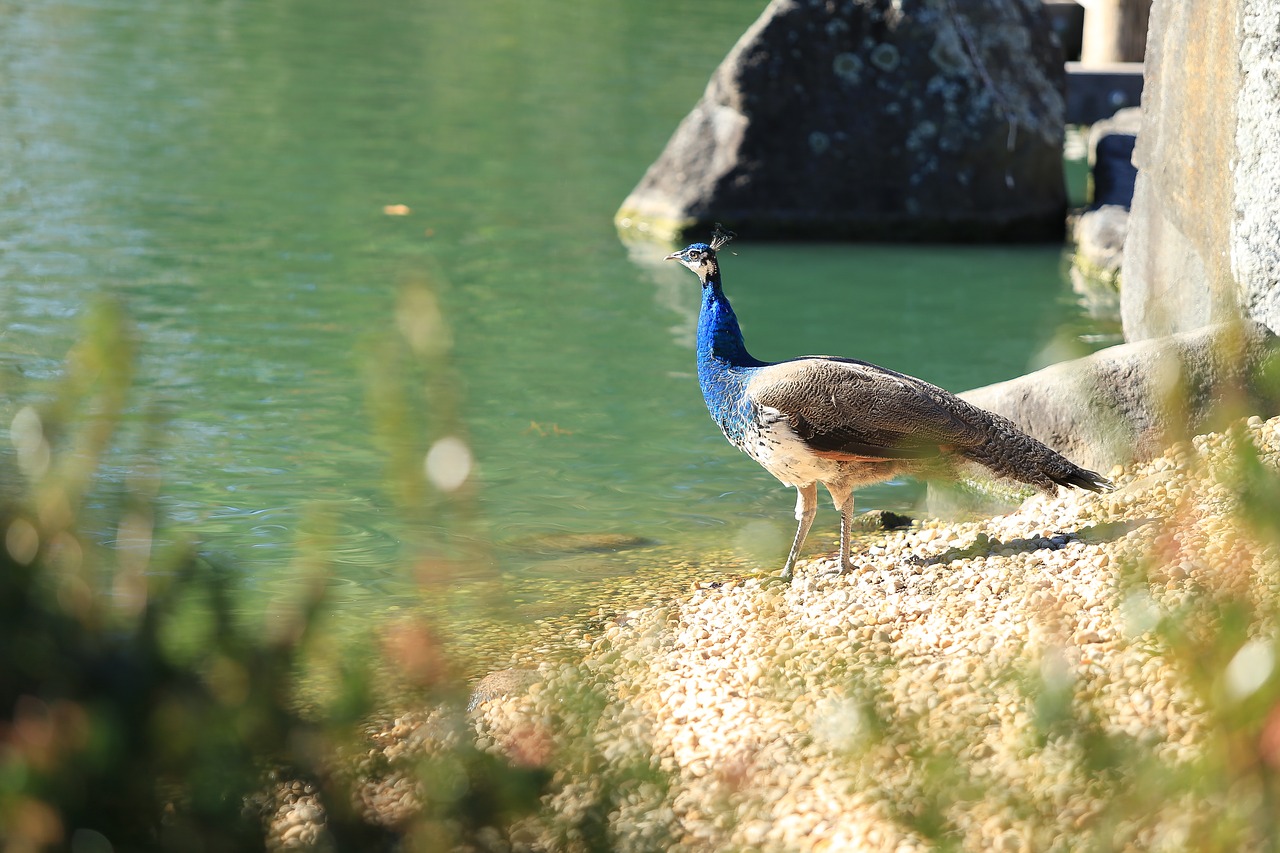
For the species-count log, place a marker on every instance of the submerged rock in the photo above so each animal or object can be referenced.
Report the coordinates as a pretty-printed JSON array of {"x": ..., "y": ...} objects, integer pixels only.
[
  {"x": 881, "y": 519},
  {"x": 581, "y": 543},
  {"x": 933, "y": 121},
  {"x": 1099, "y": 236},
  {"x": 1099, "y": 255}
]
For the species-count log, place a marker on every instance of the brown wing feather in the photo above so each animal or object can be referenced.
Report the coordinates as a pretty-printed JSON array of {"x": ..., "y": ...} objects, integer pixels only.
[
  {"x": 852, "y": 407},
  {"x": 854, "y": 410}
]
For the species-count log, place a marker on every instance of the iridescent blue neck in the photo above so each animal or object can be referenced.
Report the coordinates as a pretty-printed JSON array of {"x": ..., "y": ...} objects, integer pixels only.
[
  {"x": 719, "y": 337},
  {"x": 724, "y": 365}
]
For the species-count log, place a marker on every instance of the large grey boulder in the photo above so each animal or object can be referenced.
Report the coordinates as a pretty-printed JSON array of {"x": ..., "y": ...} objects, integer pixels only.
[
  {"x": 1204, "y": 232},
  {"x": 933, "y": 120},
  {"x": 1131, "y": 401}
]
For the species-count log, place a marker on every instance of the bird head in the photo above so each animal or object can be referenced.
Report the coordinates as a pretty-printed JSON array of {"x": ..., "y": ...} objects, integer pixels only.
[{"x": 701, "y": 257}]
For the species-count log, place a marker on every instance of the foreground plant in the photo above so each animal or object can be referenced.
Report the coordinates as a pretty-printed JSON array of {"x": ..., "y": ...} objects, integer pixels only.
[{"x": 141, "y": 709}]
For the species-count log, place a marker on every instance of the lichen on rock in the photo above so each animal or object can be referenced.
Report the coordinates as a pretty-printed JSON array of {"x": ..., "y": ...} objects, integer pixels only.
[{"x": 820, "y": 116}]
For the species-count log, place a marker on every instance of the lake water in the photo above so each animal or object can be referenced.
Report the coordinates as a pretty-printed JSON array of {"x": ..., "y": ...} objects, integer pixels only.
[{"x": 230, "y": 172}]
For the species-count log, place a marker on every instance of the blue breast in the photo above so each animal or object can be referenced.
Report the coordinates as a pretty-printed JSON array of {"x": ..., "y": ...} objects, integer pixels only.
[{"x": 724, "y": 365}]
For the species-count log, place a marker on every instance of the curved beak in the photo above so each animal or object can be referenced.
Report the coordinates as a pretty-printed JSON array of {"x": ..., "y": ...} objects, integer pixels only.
[{"x": 674, "y": 256}]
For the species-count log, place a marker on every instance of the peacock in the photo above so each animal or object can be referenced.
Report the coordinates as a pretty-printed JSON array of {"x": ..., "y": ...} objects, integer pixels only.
[{"x": 847, "y": 423}]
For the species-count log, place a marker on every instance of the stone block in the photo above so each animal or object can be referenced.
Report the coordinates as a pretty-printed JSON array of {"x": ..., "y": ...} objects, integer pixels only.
[
  {"x": 1111, "y": 144},
  {"x": 1204, "y": 235}
]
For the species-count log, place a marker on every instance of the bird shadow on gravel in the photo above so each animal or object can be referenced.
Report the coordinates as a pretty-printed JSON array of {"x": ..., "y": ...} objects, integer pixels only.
[{"x": 987, "y": 546}]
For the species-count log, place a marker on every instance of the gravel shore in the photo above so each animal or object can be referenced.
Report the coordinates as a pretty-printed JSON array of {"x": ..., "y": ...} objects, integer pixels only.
[
  {"x": 1089, "y": 672},
  {"x": 1026, "y": 682}
]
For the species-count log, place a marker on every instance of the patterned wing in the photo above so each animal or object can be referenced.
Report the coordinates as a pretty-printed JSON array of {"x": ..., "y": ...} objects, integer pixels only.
[{"x": 848, "y": 408}]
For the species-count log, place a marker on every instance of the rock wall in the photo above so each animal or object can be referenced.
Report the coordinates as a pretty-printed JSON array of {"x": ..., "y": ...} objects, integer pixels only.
[
  {"x": 1204, "y": 234},
  {"x": 934, "y": 120}
]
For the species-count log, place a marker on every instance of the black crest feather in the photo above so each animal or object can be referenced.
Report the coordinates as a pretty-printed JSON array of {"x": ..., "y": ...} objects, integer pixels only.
[{"x": 720, "y": 237}]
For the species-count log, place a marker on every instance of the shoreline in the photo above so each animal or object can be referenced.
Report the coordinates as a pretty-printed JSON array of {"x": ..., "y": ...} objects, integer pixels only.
[
  {"x": 1085, "y": 672},
  {"x": 957, "y": 686}
]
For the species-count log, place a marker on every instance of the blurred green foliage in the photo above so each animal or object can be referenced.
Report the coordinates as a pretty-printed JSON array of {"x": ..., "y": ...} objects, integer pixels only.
[
  {"x": 139, "y": 708},
  {"x": 1205, "y": 605}
]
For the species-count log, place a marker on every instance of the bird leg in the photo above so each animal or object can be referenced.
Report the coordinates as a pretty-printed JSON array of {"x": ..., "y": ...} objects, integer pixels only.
[
  {"x": 842, "y": 497},
  {"x": 846, "y": 530},
  {"x": 806, "y": 509}
]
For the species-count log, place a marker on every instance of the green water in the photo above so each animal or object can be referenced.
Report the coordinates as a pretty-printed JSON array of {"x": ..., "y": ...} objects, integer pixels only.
[{"x": 223, "y": 167}]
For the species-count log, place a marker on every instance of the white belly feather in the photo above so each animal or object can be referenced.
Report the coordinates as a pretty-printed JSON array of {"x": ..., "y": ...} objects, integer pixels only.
[{"x": 770, "y": 441}]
